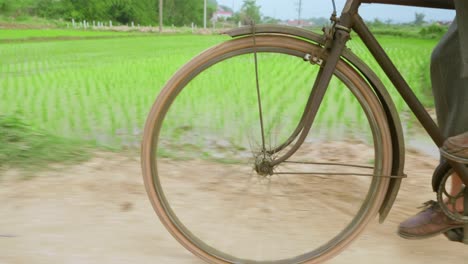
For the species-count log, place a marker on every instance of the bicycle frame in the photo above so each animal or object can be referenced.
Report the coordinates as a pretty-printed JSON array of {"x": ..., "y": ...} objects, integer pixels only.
[
  {"x": 350, "y": 20},
  {"x": 333, "y": 50}
]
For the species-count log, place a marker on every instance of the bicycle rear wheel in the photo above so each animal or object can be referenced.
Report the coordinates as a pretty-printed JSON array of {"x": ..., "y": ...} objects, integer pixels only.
[{"x": 203, "y": 140}]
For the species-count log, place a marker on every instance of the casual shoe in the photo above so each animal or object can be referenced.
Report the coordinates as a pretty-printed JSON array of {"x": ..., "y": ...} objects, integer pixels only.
[
  {"x": 428, "y": 223},
  {"x": 456, "y": 148}
]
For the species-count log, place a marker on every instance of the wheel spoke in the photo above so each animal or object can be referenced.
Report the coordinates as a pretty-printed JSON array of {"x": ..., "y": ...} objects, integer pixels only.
[
  {"x": 321, "y": 174},
  {"x": 257, "y": 84},
  {"x": 331, "y": 164}
]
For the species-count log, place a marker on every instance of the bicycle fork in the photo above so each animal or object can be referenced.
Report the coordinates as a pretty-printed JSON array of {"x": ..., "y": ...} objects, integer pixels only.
[{"x": 341, "y": 36}]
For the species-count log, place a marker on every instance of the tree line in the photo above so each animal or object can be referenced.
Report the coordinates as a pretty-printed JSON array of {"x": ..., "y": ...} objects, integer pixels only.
[{"x": 144, "y": 12}]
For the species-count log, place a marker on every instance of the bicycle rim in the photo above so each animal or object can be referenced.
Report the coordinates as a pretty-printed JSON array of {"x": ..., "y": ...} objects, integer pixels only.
[{"x": 203, "y": 137}]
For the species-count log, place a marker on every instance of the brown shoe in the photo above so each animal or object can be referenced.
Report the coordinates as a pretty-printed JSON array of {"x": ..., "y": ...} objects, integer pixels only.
[
  {"x": 428, "y": 223},
  {"x": 456, "y": 148}
]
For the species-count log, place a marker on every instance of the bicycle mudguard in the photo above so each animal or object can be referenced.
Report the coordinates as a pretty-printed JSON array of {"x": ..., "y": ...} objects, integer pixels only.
[
  {"x": 396, "y": 131},
  {"x": 349, "y": 57}
]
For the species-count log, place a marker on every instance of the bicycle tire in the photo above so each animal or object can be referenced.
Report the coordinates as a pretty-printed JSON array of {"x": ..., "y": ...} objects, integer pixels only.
[{"x": 288, "y": 46}]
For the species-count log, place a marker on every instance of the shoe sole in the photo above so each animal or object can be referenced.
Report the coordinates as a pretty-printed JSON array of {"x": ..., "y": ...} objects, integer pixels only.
[
  {"x": 416, "y": 237},
  {"x": 452, "y": 157}
]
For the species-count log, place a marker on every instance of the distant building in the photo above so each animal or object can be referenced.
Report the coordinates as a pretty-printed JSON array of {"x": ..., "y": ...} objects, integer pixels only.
[
  {"x": 221, "y": 14},
  {"x": 444, "y": 23},
  {"x": 295, "y": 22}
]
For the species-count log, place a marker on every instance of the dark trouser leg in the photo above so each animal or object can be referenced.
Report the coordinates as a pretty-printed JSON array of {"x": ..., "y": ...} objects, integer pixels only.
[
  {"x": 449, "y": 89},
  {"x": 451, "y": 96}
]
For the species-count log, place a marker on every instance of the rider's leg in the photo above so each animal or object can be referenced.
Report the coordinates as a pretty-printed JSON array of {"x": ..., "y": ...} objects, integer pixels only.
[
  {"x": 456, "y": 189},
  {"x": 450, "y": 91},
  {"x": 451, "y": 100}
]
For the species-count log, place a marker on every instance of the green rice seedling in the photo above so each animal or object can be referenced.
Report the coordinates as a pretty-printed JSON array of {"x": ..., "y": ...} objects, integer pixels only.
[{"x": 101, "y": 90}]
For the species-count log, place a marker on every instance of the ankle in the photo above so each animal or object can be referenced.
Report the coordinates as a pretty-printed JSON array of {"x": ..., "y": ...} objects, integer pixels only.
[{"x": 458, "y": 206}]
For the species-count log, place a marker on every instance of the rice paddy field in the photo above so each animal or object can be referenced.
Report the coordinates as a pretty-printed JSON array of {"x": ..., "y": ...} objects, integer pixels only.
[{"x": 100, "y": 90}]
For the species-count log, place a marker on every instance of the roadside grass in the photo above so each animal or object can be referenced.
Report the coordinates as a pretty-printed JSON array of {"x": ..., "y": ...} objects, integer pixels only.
[
  {"x": 23, "y": 146},
  {"x": 429, "y": 31},
  {"x": 15, "y": 35}
]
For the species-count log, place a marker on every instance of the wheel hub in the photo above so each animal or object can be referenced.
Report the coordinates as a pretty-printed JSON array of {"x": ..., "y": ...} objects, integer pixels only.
[{"x": 263, "y": 164}]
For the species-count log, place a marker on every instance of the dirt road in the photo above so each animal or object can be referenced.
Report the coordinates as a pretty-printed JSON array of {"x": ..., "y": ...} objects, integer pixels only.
[{"x": 98, "y": 212}]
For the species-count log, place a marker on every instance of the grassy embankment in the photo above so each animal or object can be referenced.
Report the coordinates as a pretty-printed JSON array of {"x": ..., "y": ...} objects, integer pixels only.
[{"x": 28, "y": 35}]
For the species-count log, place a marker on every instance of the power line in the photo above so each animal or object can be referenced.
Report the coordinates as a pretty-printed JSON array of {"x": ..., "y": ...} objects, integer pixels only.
[
  {"x": 299, "y": 9},
  {"x": 160, "y": 15},
  {"x": 204, "y": 16}
]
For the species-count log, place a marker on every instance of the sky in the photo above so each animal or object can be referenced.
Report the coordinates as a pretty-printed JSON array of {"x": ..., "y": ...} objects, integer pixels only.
[{"x": 287, "y": 9}]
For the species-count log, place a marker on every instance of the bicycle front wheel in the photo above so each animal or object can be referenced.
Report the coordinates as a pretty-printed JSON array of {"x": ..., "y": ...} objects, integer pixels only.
[{"x": 206, "y": 152}]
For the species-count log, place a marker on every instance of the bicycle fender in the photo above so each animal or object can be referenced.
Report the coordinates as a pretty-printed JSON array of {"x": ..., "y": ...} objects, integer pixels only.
[
  {"x": 277, "y": 29},
  {"x": 349, "y": 57},
  {"x": 396, "y": 131}
]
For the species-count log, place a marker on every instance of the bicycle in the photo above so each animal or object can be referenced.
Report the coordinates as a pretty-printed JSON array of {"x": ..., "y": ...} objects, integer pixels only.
[{"x": 255, "y": 170}]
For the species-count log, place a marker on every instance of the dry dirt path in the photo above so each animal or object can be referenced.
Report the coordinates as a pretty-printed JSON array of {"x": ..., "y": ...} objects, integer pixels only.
[{"x": 98, "y": 212}]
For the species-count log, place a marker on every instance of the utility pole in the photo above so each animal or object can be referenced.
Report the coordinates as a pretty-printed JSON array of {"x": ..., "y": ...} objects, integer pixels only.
[
  {"x": 204, "y": 16},
  {"x": 299, "y": 8},
  {"x": 160, "y": 15}
]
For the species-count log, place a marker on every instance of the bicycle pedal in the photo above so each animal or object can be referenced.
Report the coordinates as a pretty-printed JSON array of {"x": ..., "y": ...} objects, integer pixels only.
[{"x": 455, "y": 235}]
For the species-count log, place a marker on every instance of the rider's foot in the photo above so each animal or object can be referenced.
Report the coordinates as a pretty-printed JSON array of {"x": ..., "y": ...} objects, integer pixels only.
[
  {"x": 456, "y": 148},
  {"x": 428, "y": 223}
]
